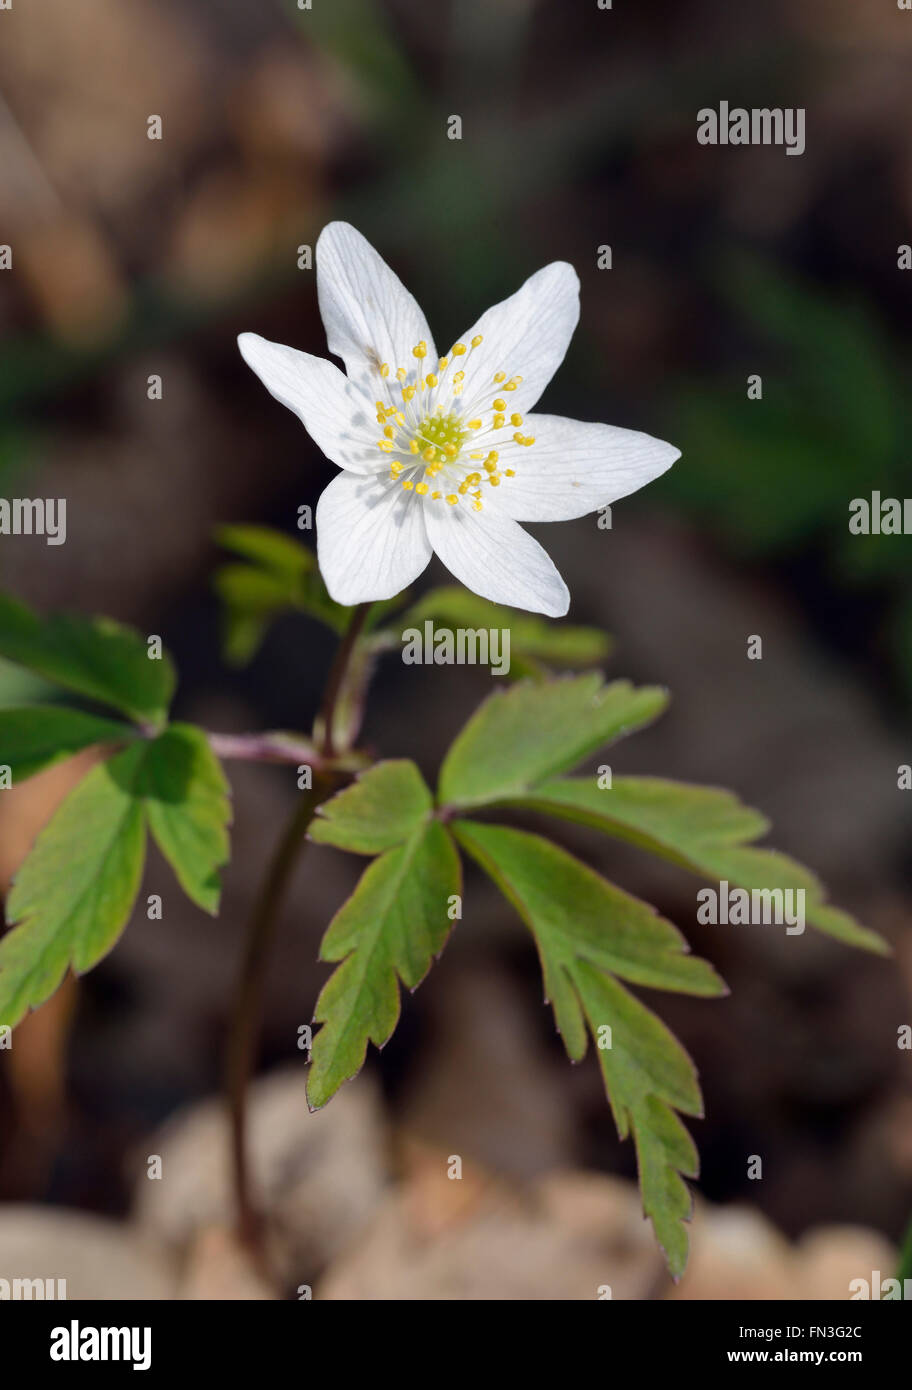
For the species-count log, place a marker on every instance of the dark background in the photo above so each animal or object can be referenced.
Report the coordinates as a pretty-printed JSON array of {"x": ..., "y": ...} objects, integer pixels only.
[{"x": 134, "y": 257}]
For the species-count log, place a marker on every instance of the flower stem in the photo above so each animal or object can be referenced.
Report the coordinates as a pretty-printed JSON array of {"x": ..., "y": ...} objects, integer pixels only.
[
  {"x": 336, "y": 679},
  {"x": 247, "y": 1006},
  {"x": 247, "y": 1010}
]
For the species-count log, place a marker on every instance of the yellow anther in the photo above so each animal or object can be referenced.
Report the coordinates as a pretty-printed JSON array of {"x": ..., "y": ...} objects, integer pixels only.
[
  {"x": 436, "y": 496},
  {"x": 499, "y": 377},
  {"x": 400, "y": 418},
  {"x": 452, "y": 499},
  {"x": 515, "y": 419},
  {"x": 512, "y": 385},
  {"x": 518, "y": 437},
  {"x": 450, "y": 450},
  {"x": 511, "y": 472},
  {"x": 494, "y": 480},
  {"x": 476, "y": 506},
  {"x": 408, "y": 484},
  {"x": 396, "y": 467},
  {"x": 431, "y": 379},
  {"x": 476, "y": 456},
  {"x": 529, "y": 439},
  {"x": 475, "y": 424},
  {"x": 401, "y": 374},
  {"x": 458, "y": 349},
  {"x": 389, "y": 431},
  {"x": 459, "y": 376},
  {"x": 443, "y": 364},
  {"x": 477, "y": 340},
  {"x": 430, "y": 454},
  {"x": 490, "y": 466},
  {"x": 408, "y": 392},
  {"x": 421, "y": 350},
  {"x": 463, "y": 488},
  {"x": 493, "y": 456},
  {"x": 474, "y": 478},
  {"x": 500, "y": 403},
  {"x": 499, "y": 421},
  {"x": 385, "y": 369},
  {"x": 414, "y": 446},
  {"x": 386, "y": 445},
  {"x": 422, "y": 488}
]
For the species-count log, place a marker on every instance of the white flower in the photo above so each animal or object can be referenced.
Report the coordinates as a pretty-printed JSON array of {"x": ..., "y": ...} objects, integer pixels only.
[{"x": 441, "y": 454}]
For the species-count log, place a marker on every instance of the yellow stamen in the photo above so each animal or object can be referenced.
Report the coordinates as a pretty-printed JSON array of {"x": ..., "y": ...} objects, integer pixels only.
[
  {"x": 421, "y": 350},
  {"x": 422, "y": 488},
  {"x": 477, "y": 340},
  {"x": 452, "y": 499},
  {"x": 475, "y": 424},
  {"x": 515, "y": 419}
]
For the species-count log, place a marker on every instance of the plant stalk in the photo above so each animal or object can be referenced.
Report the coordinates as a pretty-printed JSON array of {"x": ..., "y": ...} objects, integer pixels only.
[{"x": 247, "y": 1006}]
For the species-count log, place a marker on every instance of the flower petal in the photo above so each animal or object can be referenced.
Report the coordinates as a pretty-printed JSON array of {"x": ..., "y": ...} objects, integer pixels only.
[
  {"x": 494, "y": 557},
  {"x": 527, "y": 334},
  {"x": 371, "y": 538},
  {"x": 335, "y": 414},
  {"x": 574, "y": 468},
  {"x": 369, "y": 315}
]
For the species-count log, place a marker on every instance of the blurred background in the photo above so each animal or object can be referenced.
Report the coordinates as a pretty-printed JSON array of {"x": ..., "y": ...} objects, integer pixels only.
[{"x": 134, "y": 257}]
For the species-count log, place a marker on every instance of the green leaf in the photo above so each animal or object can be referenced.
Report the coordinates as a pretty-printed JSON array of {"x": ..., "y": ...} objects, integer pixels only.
[
  {"x": 40, "y": 735},
  {"x": 703, "y": 829},
  {"x": 379, "y": 810},
  {"x": 75, "y": 891},
  {"x": 520, "y": 736},
  {"x": 96, "y": 657},
  {"x": 577, "y": 914},
  {"x": 268, "y": 548},
  {"x": 648, "y": 1078},
  {"x": 535, "y": 643},
  {"x": 188, "y": 809},
  {"x": 389, "y": 930},
  {"x": 282, "y": 576},
  {"x": 584, "y": 927}
]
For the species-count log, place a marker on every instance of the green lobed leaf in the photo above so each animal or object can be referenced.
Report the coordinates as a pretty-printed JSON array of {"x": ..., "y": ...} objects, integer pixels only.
[
  {"x": 268, "y": 548},
  {"x": 584, "y": 927},
  {"x": 521, "y": 736},
  {"x": 74, "y": 893},
  {"x": 575, "y": 908},
  {"x": 535, "y": 643},
  {"x": 38, "y": 736},
  {"x": 389, "y": 930},
  {"x": 187, "y": 805},
  {"x": 705, "y": 830},
  {"x": 280, "y": 576},
  {"x": 96, "y": 657},
  {"x": 380, "y": 809}
]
